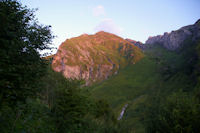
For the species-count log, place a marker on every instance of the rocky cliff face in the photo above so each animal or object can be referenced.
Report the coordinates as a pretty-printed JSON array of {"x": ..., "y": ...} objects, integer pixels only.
[
  {"x": 175, "y": 39},
  {"x": 94, "y": 57},
  {"x": 136, "y": 43}
]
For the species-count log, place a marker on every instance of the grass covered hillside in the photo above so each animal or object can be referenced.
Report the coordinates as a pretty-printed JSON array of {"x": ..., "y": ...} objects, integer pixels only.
[
  {"x": 146, "y": 86},
  {"x": 94, "y": 57}
]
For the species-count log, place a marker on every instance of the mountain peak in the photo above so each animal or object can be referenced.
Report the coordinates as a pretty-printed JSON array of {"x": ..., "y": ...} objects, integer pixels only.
[
  {"x": 101, "y": 32},
  {"x": 84, "y": 34},
  {"x": 95, "y": 57},
  {"x": 104, "y": 33},
  {"x": 175, "y": 39},
  {"x": 198, "y": 21}
]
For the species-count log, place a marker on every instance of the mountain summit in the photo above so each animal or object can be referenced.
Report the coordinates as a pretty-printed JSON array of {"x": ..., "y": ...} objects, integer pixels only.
[
  {"x": 94, "y": 57},
  {"x": 175, "y": 39}
]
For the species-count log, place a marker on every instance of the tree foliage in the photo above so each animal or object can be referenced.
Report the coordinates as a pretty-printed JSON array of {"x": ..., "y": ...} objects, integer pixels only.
[
  {"x": 179, "y": 110},
  {"x": 21, "y": 39},
  {"x": 177, "y": 113},
  {"x": 33, "y": 98}
]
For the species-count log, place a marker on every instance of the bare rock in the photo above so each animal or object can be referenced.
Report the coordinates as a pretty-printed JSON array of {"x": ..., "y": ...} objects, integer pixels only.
[{"x": 175, "y": 39}]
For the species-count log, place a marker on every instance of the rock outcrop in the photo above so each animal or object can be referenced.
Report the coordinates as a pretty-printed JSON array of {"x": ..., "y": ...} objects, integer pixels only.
[
  {"x": 94, "y": 57},
  {"x": 175, "y": 39},
  {"x": 136, "y": 43}
]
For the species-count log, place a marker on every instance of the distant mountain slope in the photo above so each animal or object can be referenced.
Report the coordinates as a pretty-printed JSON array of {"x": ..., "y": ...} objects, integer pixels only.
[
  {"x": 175, "y": 39},
  {"x": 164, "y": 71},
  {"x": 94, "y": 57},
  {"x": 136, "y": 43},
  {"x": 160, "y": 73}
]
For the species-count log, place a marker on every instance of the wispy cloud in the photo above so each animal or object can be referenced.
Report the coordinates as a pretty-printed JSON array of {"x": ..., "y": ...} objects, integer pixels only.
[
  {"x": 99, "y": 10},
  {"x": 108, "y": 25}
]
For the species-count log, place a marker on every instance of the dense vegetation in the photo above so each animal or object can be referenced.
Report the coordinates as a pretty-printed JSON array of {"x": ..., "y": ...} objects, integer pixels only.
[
  {"x": 33, "y": 98},
  {"x": 162, "y": 90}
]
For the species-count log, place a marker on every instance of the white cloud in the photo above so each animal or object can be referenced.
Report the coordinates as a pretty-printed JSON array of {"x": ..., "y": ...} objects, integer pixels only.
[
  {"x": 108, "y": 25},
  {"x": 98, "y": 11}
]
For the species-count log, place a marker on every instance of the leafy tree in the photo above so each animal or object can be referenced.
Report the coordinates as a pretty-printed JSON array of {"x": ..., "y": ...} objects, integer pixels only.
[
  {"x": 178, "y": 113},
  {"x": 21, "y": 39},
  {"x": 72, "y": 109},
  {"x": 60, "y": 106}
]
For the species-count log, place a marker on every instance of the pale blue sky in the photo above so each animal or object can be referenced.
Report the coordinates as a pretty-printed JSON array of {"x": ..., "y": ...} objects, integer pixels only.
[{"x": 135, "y": 19}]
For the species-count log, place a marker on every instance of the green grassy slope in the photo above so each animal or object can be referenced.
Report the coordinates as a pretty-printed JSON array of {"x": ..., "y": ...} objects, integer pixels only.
[
  {"x": 131, "y": 82},
  {"x": 159, "y": 72},
  {"x": 131, "y": 86}
]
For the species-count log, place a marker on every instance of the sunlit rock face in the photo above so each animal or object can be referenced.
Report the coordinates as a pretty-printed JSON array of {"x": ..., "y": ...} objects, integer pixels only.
[
  {"x": 175, "y": 39},
  {"x": 94, "y": 58}
]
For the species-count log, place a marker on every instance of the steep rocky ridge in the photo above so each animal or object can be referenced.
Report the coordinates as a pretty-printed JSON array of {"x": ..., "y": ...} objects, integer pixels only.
[
  {"x": 94, "y": 57},
  {"x": 136, "y": 43},
  {"x": 175, "y": 39}
]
